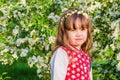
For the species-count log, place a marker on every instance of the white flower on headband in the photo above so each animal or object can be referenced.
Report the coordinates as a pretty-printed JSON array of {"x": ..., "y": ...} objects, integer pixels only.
[
  {"x": 80, "y": 12},
  {"x": 86, "y": 15},
  {"x": 67, "y": 15}
]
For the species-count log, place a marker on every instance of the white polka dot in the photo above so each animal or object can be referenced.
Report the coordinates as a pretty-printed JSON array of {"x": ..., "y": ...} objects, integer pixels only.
[
  {"x": 76, "y": 59},
  {"x": 80, "y": 61},
  {"x": 73, "y": 77},
  {"x": 69, "y": 79},
  {"x": 68, "y": 68},
  {"x": 83, "y": 59},
  {"x": 79, "y": 55},
  {"x": 85, "y": 75},
  {"x": 83, "y": 64},
  {"x": 85, "y": 67},
  {"x": 73, "y": 72},
  {"x": 78, "y": 69},
  {"x": 78, "y": 74},
  {"x": 82, "y": 72},
  {"x": 82, "y": 77},
  {"x": 85, "y": 70},
  {"x": 81, "y": 67},
  {"x": 68, "y": 73},
  {"x": 73, "y": 65},
  {"x": 87, "y": 61},
  {"x": 77, "y": 63}
]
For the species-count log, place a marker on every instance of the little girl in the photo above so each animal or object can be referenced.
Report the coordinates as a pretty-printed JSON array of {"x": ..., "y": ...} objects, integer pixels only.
[{"x": 70, "y": 60}]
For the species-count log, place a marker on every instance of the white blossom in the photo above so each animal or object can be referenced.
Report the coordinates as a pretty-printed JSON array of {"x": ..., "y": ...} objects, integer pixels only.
[
  {"x": 40, "y": 60},
  {"x": 118, "y": 56},
  {"x": 81, "y": 0},
  {"x": 46, "y": 59},
  {"x": 38, "y": 70},
  {"x": 23, "y": 2},
  {"x": 32, "y": 60},
  {"x": 40, "y": 75},
  {"x": 112, "y": 46},
  {"x": 9, "y": 37},
  {"x": 19, "y": 41},
  {"x": 32, "y": 41},
  {"x": 2, "y": 44},
  {"x": 93, "y": 7},
  {"x": 5, "y": 11},
  {"x": 59, "y": 2},
  {"x": 96, "y": 30},
  {"x": 116, "y": 26},
  {"x": 32, "y": 32},
  {"x": 5, "y": 50},
  {"x": 47, "y": 47},
  {"x": 24, "y": 52},
  {"x": 13, "y": 50},
  {"x": 116, "y": 32},
  {"x": 14, "y": 12},
  {"x": 118, "y": 66},
  {"x": 113, "y": 24},
  {"x": 54, "y": 17},
  {"x": 118, "y": 45},
  {"x": 111, "y": 1},
  {"x": 15, "y": 55},
  {"x": 51, "y": 39},
  {"x": 95, "y": 44},
  {"x": 16, "y": 30},
  {"x": 51, "y": 15}
]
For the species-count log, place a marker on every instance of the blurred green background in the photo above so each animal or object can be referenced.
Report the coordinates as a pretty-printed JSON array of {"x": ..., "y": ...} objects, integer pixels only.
[{"x": 28, "y": 30}]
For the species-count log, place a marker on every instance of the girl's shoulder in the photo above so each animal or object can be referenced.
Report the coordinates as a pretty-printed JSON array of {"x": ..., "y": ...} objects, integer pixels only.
[
  {"x": 60, "y": 55},
  {"x": 60, "y": 51}
]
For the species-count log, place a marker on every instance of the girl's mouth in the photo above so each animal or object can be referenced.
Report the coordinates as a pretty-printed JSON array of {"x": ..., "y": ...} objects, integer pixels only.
[{"x": 78, "y": 39}]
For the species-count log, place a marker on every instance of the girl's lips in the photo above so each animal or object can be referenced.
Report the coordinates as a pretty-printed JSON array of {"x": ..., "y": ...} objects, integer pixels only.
[{"x": 79, "y": 39}]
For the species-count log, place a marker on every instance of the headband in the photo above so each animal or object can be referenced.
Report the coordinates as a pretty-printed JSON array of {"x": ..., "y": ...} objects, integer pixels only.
[{"x": 71, "y": 12}]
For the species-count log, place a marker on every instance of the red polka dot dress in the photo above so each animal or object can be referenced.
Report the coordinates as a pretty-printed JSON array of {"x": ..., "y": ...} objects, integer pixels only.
[{"x": 78, "y": 67}]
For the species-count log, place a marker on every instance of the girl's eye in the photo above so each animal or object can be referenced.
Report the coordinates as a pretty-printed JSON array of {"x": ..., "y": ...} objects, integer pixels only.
[
  {"x": 83, "y": 29},
  {"x": 72, "y": 29}
]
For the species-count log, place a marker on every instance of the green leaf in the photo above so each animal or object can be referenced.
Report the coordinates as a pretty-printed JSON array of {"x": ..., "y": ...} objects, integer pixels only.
[
  {"x": 4, "y": 73},
  {"x": 1, "y": 14},
  {"x": 4, "y": 40}
]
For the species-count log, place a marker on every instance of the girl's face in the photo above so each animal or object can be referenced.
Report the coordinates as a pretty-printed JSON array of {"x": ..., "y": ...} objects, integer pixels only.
[{"x": 77, "y": 37}]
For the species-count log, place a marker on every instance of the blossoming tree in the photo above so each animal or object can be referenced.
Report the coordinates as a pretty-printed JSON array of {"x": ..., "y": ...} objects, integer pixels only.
[{"x": 28, "y": 29}]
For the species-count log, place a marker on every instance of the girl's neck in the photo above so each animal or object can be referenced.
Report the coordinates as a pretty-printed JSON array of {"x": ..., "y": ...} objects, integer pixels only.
[{"x": 75, "y": 48}]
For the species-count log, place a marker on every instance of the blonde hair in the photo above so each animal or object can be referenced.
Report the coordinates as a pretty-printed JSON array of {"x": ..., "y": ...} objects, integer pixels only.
[{"x": 67, "y": 22}]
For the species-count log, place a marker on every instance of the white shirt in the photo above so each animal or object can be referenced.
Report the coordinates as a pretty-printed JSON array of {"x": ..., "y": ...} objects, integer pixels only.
[{"x": 59, "y": 63}]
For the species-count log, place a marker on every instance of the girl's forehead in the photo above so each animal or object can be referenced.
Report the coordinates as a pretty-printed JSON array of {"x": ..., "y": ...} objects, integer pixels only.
[{"x": 78, "y": 23}]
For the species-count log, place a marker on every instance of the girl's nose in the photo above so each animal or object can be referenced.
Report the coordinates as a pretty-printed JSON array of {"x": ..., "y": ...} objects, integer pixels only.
[{"x": 78, "y": 33}]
